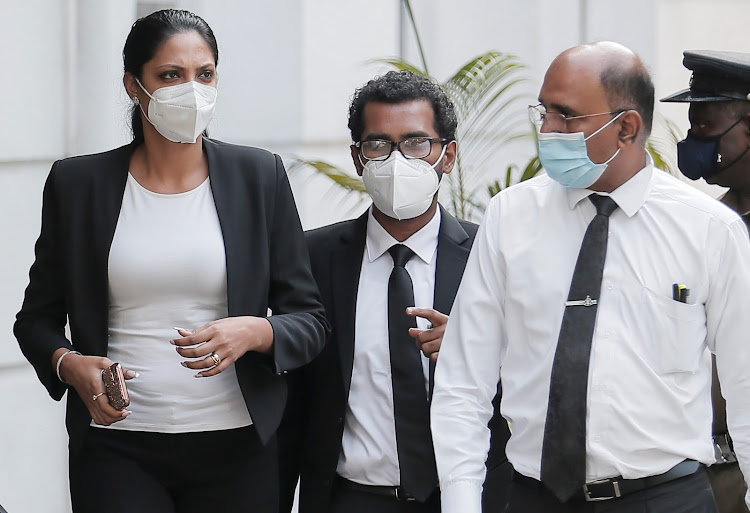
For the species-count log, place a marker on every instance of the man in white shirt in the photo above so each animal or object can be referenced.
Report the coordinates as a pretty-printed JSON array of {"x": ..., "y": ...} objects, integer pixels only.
[
  {"x": 673, "y": 275},
  {"x": 357, "y": 427}
]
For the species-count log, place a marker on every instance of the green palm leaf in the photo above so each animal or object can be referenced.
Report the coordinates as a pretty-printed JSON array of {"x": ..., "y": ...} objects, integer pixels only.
[
  {"x": 662, "y": 148},
  {"x": 491, "y": 114},
  {"x": 345, "y": 186},
  {"x": 337, "y": 175},
  {"x": 399, "y": 64}
]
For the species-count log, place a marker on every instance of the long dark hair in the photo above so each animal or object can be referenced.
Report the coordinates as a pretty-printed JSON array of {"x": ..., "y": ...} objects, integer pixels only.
[{"x": 146, "y": 36}]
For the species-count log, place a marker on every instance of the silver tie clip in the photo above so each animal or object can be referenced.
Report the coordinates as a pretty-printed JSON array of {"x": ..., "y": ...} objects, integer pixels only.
[{"x": 582, "y": 302}]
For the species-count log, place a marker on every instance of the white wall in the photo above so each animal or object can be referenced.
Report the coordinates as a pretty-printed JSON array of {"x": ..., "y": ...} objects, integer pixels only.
[
  {"x": 287, "y": 70},
  {"x": 32, "y": 438}
]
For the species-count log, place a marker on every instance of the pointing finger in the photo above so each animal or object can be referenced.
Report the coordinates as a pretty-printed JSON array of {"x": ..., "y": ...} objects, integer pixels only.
[{"x": 436, "y": 318}]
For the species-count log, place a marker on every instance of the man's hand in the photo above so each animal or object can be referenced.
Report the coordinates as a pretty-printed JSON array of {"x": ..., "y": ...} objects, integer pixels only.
[{"x": 429, "y": 340}]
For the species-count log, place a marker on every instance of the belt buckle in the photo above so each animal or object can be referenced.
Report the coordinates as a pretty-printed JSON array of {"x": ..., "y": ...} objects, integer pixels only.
[
  {"x": 401, "y": 497},
  {"x": 615, "y": 490}
]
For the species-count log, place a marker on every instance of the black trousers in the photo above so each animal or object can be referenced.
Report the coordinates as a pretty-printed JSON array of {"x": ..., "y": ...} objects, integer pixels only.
[
  {"x": 729, "y": 487},
  {"x": 690, "y": 494},
  {"x": 345, "y": 500},
  {"x": 495, "y": 490},
  {"x": 137, "y": 472}
]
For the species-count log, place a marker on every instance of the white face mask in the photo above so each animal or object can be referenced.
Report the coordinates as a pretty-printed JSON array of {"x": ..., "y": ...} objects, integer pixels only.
[
  {"x": 565, "y": 157},
  {"x": 401, "y": 188},
  {"x": 181, "y": 112}
]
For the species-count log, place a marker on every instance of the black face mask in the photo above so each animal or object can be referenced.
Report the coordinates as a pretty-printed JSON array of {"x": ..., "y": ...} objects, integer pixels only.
[{"x": 699, "y": 157}]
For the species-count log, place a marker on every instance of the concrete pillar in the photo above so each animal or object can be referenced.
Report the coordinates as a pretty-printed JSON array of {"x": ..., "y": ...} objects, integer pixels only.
[{"x": 98, "y": 113}]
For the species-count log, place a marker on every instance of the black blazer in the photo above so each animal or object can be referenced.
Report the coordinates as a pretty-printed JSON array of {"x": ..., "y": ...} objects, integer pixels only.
[
  {"x": 310, "y": 437},
  {"x": 266, "y": 258}
]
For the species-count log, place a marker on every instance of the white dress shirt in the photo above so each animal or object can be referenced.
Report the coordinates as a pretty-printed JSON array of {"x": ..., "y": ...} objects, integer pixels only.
[
  {"x": 369, "y": 455},
  {"x": 649, "y": 402}
]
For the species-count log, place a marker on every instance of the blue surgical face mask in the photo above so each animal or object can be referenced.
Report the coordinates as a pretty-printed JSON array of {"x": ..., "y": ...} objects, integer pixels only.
[
  {"x": 566, "y": 159},
  {"x": 699, "y": 157}
]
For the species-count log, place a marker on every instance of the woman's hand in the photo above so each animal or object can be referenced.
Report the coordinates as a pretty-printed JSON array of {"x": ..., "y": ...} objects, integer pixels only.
[
  {"x": 220, "y": 343},
  {"x": 84, "y": 373}
]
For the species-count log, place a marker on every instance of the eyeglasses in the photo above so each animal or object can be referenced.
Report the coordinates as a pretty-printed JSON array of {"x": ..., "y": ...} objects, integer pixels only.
[
  {"x": 410, "y": 148},
  {"x": 538, "y": 115}
]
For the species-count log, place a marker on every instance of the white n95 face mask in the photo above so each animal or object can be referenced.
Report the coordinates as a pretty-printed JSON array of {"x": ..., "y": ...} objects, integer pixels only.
[
  {"x": 181, "y": 112},
  {"x": 401, "y": 188}
]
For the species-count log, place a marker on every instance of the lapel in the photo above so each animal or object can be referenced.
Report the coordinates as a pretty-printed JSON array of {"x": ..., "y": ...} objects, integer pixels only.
[
  {"x": 107, "y": 194},
  {"x": 222, "y": 188},
  {"x": 241, "y": 218},
  {"x": 451, "y": 260},
  {"x": 108, "y": 187},
  {"x": 346, "y": 264}
]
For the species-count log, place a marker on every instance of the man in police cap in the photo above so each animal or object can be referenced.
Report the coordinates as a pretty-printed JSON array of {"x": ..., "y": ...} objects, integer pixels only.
[{"x": 716, "y": 149}]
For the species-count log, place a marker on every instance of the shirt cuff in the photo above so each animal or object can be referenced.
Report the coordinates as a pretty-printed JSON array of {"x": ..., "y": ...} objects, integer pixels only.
[{"x": 461, "y": 497}]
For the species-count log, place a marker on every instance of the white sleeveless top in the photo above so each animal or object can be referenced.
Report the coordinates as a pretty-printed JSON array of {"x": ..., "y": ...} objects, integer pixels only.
[{"x": 167, "y": 267}]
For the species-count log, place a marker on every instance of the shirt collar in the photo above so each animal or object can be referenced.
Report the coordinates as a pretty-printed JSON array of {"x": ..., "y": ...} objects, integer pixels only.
[
  {"x": 423, "y": 243},
  {"x": 629, "y": 196}
]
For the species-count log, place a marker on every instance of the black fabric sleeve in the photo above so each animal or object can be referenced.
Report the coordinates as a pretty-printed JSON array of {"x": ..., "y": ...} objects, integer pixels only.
[
  {"x": 299, "y": 325},
  {"x": 40, "y": 325}
]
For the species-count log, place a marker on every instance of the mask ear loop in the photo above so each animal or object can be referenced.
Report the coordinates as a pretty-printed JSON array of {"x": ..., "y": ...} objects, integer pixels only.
[
  {"x": 720, "y": 169},
  {"x": 725, "y": 132},
  {"x": 139, "y": 103},
  {"x": 718, "y": 141},
  {"x": 442, "y": 154},
  {"x": 611, "y": 158},
  {"x": 605, "y": 125},
  {"x": 144, "y": 89}
]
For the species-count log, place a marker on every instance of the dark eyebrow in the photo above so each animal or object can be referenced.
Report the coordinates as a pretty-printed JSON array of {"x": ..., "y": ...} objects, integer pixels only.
[
  {"x": 562, "y": 109},
  {"x": 408, "y": 135},
  {"x": 182, "y": 68},
  {"x": 373, "y": 137},
  {"x": 418, "y": 133}
]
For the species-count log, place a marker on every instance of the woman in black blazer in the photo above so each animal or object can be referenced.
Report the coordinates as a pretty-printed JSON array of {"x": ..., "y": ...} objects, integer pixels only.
[{"x": 174, "y": 229}]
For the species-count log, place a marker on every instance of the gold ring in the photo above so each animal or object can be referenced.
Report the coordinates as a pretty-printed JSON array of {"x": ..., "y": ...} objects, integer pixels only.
[
  {"x": 97, "y": 396},
  {"x": 216, "y": 358}
]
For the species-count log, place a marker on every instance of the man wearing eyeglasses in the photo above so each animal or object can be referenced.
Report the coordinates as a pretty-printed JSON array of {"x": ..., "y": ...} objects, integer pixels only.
[
  {"x": 360, "y": 411},
  {"x": 595, "y": 294},
  {"x": 716, "y": 149}
]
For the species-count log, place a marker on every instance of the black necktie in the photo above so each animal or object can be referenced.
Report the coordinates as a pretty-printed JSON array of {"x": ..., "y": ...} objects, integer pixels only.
[
  {"x": 564, "y": 445},
  {"x": 410, "y": 407}
]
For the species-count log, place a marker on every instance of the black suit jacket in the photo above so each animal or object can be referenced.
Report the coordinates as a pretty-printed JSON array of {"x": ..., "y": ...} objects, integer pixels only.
[
  {"x": 266, "y": 258},
  {"x": 310, "y": 437}
]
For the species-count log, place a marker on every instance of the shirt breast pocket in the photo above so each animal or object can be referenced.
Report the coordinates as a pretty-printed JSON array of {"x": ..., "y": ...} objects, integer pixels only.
[{"x": 676, "y": 332}]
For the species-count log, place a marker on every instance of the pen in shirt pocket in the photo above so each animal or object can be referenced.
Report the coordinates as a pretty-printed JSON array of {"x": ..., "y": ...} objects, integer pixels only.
[{"x": 680, "y": 293}]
